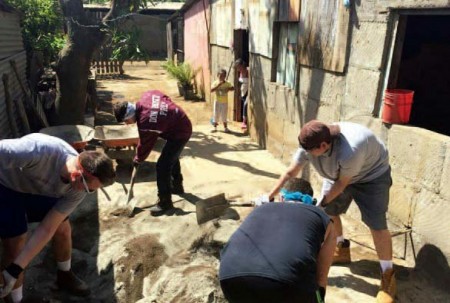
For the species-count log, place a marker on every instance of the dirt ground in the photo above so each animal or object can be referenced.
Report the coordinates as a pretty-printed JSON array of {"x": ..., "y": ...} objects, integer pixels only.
[{"x": 171, "y": 258}]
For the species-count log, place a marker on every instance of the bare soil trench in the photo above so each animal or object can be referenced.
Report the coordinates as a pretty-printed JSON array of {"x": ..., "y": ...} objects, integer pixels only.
[{"x": 171, "y": 258}]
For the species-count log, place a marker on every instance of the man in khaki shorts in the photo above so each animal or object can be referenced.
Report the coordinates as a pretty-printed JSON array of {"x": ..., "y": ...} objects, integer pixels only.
[{"x": 355, "y": 166}]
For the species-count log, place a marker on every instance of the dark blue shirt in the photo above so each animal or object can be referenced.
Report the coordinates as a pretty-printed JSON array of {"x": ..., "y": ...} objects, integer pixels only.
[{"x": 280, "y": 241}]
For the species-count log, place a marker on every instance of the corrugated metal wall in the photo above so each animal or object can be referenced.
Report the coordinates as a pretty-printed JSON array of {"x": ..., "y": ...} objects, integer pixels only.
[
  {"x": 221, "y": 23},
  {"x": 11, "y": 48},
  {"x": 196, "y": 30},
  {"x": 262, "y": 14}
]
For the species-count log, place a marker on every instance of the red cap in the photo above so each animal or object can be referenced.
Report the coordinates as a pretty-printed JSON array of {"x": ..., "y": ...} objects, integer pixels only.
[{"x": 315, "y": 132}]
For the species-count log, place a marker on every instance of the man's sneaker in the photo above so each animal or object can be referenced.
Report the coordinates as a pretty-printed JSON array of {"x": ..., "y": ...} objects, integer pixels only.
[
  {"x": 164, "y": 204},
  {"x": 342, "y": 253},
  {"x": 67, "y": 280},
  {"x": 388, "y": 287}
]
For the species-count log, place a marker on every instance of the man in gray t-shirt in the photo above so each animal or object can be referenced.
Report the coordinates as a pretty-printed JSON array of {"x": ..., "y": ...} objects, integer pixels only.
[
  {"x": 355, "y": 166},
  {"x": 43, "y": 179}
]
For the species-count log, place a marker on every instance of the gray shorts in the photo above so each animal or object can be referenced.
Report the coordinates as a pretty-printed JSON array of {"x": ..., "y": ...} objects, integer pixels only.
[{"x": 371, "y": 197}]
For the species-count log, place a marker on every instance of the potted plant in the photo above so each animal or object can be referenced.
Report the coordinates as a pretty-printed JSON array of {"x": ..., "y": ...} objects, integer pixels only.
[{"x": 184, "y": 74}]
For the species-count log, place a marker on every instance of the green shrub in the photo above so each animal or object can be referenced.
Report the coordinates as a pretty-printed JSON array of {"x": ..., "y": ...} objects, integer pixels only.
[
  {"x": 183, "y": 73},
  {"x": 42, "y": 26},
  {"x": 126, "y": 46}
]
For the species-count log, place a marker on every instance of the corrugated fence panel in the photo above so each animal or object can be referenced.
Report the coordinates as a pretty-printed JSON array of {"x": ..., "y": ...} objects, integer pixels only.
[
  {"x": 289, "y": 10},
  {"x": 221, "y": 23},
  {"x": 10, "y": 35},
  {"x": 323, "y": 34},
  {"x": 262, "y": 14},
  {"x": 240, "y": 14},
  {"x": 14, "y": 91}
]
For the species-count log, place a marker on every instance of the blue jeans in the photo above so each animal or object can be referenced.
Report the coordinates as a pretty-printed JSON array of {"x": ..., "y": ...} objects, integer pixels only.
[
  {"x": 168, "y": 165},
  {"x": 244, "y": 106}
]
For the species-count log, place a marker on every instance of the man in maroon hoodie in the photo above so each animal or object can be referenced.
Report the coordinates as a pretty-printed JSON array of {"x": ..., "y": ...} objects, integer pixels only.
[{"x": 157, "y": 116}]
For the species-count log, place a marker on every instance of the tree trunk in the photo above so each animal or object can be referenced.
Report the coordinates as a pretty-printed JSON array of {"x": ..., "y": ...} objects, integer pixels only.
[
  {"x": 72, "y": 67},
  {"x": 72, "y": 74}
]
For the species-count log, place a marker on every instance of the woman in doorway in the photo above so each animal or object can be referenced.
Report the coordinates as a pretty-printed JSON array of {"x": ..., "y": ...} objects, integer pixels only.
[{"x": 242, "y": 69}]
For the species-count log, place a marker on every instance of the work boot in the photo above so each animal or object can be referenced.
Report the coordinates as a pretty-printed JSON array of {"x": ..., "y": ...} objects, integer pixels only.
[
  {"x": 342, "y": 253},
  {"x": 67, "y": 280},
  {"x": 177, "y": 186},
  {"x": 388, "y": 287},
  {"x": 163, "y": 205}
]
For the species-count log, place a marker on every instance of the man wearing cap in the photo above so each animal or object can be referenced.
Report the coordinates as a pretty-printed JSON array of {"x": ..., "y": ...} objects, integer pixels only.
[
  {"x": 355, "y": 166},
  {"x": 157, "y": 116},
  {"x": 43, "y": 179}
]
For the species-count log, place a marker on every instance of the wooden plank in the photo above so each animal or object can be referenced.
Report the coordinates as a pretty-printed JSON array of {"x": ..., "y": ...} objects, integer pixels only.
[
  {"x": 9, "y": 108},
  {"x": 323, "y": 34},
  {"x": 27, "y": 96},
  {"x": 169, "y": 41},
  {"x": 398, "y": 50},
  {"x": 289, "y": 10}
]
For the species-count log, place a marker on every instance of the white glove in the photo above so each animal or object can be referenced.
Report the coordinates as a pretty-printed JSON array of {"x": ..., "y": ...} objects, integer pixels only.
[
  {"x": 8, "y": 285},
  {"x": 263, "y": 199}
]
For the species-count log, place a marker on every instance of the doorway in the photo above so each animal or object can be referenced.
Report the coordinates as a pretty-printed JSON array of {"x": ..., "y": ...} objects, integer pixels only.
[
  {"x": 240, "y": 51},
  {"x": 421, "y": 63}
]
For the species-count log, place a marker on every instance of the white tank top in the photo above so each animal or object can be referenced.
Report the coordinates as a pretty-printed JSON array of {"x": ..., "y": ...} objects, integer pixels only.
[{"x": 244, "y": 85}]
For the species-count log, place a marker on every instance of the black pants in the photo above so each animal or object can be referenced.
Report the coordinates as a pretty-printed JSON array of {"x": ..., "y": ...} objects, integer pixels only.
[
  {"x": 263, "y": 290},
  {"x": 168, "y": 165}
]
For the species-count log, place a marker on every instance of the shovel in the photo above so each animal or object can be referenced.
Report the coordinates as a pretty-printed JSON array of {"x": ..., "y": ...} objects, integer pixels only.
[
  {"x": 131, "y": 201},
  {"x": 214, "y": 207}
]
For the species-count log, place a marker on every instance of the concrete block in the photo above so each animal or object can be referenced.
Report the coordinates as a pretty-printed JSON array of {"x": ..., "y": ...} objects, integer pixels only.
[
  {"x": 360, "y": 93},
  {"x": 401, "y": 198},
  {"x": 368, "y": 42},
  {"x": 275, "y": 134},
  {"x": 260, "y": 67},
  {"x": 284, "y": 101},
  {"x": 320, "y": 85},
  {"x": 366, "y": 11},
  {"x": 417, "y": 155},
  {"x": 431, "y": 217},
  {"x": 385, "y": 4},
  {"x": 290, "y": 141},
  {"x": 444, "y": 187}
]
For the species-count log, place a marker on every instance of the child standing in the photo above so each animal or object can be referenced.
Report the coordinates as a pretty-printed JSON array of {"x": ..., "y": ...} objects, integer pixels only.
[
  {"x": 221, "y": 87},
  {"x": 242, "y": 69}
]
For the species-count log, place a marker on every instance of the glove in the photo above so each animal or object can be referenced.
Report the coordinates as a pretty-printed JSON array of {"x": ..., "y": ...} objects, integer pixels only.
[
  {"x": 263, "y": 199},
  {"x": 136, "y": 163},
  {"x": 8, "y": 283}
]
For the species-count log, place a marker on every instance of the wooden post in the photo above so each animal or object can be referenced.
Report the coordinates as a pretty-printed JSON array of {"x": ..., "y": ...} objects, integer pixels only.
[{"x": 9, "y": 108}]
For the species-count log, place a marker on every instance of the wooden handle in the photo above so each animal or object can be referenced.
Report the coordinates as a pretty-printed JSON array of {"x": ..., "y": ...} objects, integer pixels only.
[
  {"x": 246, "y": 204},
  {"x": 133, "y": 177}
]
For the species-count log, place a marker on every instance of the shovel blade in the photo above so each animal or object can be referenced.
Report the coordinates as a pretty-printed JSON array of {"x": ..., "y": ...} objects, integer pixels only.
[{"x": 211, "y": 208}]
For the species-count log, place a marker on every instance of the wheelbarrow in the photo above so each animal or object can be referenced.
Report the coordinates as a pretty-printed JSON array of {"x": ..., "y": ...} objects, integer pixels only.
[
  {"x": 118, "y": 141},
  {"x": 76, "y": 135}
]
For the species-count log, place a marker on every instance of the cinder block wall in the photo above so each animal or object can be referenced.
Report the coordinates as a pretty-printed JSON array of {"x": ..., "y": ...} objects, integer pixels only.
[{"x": 420, "y": 159}]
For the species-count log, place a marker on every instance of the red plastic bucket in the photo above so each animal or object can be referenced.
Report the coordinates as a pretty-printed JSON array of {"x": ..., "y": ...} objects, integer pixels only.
[{"x": 397, "y": 106}]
